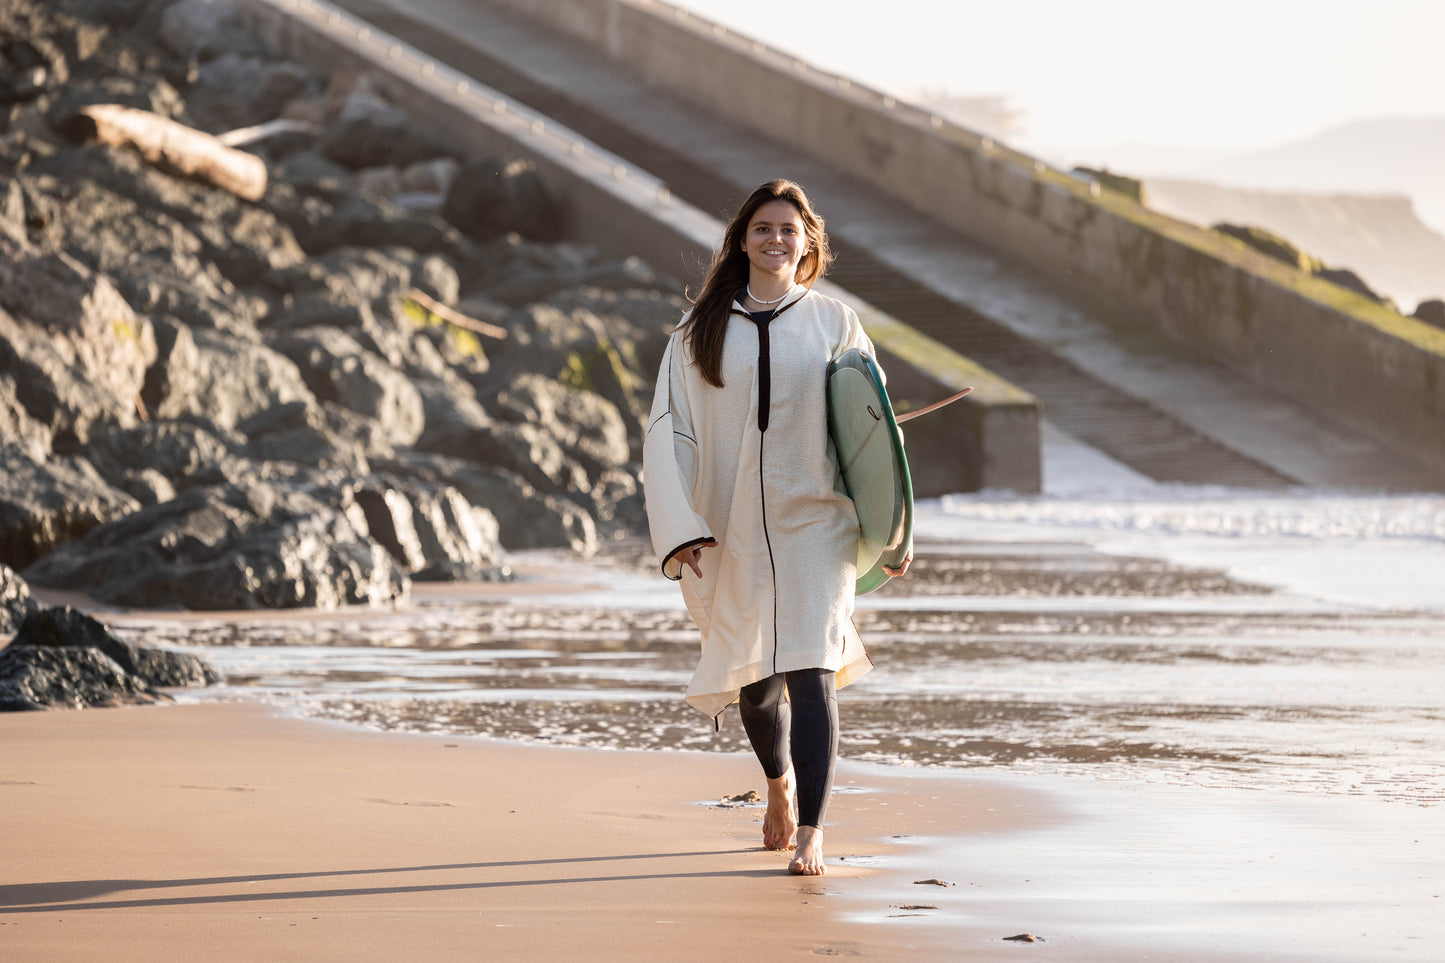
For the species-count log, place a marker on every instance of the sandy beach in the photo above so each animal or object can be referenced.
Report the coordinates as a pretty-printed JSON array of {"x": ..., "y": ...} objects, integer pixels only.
[
  {"x": 1182, "y": 769},
  {"x": 229, "y": 832}
]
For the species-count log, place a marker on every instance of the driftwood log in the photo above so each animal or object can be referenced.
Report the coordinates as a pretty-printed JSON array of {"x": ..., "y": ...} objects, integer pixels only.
[
  {"x": 170, "y": 146},
  {"x": 454, "y": 316}
]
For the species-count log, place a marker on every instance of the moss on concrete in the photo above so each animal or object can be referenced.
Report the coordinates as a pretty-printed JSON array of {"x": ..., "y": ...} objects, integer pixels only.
[
  {"x": 1272, "y": 245},
  {"x": 940, "y": 362}
]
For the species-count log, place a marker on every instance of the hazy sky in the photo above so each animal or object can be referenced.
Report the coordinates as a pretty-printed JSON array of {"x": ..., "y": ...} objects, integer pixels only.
[{"x": 1222, "y": 75}]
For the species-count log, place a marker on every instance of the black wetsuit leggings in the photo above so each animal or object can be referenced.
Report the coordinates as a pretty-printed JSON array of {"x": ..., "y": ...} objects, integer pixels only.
[{"x": 805, "y": 734}]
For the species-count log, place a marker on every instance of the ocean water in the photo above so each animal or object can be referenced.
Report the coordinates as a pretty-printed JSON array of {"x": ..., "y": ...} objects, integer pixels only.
[{"x": 1180, "y": 636}]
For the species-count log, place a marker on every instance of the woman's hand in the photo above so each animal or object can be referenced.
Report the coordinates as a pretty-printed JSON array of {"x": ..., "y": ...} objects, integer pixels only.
[
  {"x": 691, "y": 555},
  {"x": 900, "y": 570}
]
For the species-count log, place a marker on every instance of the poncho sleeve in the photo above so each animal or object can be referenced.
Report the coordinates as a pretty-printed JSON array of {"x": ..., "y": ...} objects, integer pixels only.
[
  {"x": 669, "y": 464},
  {"x": 855, "y": 337}
]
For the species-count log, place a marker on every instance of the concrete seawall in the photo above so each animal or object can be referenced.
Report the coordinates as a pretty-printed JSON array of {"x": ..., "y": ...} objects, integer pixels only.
[
  {"x": 991, "y": 439},
  {"x": 1312, "y": 341}
]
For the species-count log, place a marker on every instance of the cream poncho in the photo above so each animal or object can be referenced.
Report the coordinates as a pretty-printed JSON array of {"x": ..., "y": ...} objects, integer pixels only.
[{"x": 751, "y": 465}]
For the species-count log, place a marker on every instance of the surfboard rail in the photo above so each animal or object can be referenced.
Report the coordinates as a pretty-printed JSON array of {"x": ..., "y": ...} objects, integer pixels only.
[{"x": 874, "y": 465}]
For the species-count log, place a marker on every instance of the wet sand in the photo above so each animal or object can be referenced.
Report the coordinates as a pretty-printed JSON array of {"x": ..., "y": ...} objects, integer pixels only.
[
  {"x": 230, "y": 832},
  {"x": 1176, "y": 766}
]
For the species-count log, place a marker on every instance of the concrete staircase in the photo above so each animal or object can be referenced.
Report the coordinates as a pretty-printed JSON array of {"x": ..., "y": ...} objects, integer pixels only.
[{"x": 1132, "y": 394}]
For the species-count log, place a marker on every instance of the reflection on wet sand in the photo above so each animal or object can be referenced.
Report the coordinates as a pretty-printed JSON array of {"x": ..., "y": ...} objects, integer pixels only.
[{"x": 1140, "y": 683}]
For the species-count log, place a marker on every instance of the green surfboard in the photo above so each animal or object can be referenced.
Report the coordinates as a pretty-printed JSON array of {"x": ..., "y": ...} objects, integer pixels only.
[{"x": 875, "y": 469}]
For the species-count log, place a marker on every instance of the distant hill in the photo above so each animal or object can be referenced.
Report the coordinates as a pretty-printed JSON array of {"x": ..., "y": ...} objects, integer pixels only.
[
  {"x": 1388, "y": 155},
  {"x": 1392, "y": 155},
  {"x": 1378, "y": 237}
]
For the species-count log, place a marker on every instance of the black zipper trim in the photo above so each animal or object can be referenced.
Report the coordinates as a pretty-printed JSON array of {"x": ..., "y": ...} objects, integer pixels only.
[
  {"x": 765, "y": 379},
  {"x": 768, "y": 540},
  {"x": 763, "y": 319}
]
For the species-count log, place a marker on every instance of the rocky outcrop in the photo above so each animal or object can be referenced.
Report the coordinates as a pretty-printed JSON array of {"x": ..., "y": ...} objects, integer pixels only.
[
  {"x": 1431, "y": 312},
  {"x": 215, "y": 403},
  {"x": 49, "y": 502},
  {"x": 1378, "y": 235},
  {"x": 244, "y": 546},
  {"x": 492, "y": 197},
  {"x": 432, "y": 531},
  {"x": 1274, "y": 246},
  {"x": 62, "y": 658},
  {"x": 15, "y": 600}
]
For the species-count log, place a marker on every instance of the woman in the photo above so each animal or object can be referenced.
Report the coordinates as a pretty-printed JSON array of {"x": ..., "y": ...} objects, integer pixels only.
[{"x": 747, "y": 507}]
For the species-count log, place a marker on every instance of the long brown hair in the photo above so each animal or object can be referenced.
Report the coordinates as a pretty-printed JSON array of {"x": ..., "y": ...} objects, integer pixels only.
[{"x": 729, "y": 272}]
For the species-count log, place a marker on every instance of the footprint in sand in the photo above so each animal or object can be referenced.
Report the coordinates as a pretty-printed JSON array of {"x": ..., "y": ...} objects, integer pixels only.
[{"x": 393, "y": 802}]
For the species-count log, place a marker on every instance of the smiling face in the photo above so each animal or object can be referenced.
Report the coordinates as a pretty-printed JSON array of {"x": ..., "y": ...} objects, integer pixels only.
[{"x": 775, "y": 241}]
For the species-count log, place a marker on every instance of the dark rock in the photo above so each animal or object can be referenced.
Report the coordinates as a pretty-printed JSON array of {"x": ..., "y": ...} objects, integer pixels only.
[
  {"x": 389, "y": 521},
  {"x": 526, "y": 517},
  {"x": 339, "y": 370},
  {"x": 15, "y": 601},
  {"x": 206, "y": 29},
  {"x": 177, "y": 452},
  {"x": 158, "y": 237},
  {"x": 64, "y": 658},
  {"x": 620, "y": 507},
  {"x": 245, "y": 547},
  {"x": 532, "y": 452},
  {"x": 48, "y": 503},
  {"x": 309, "y": 172},
  {"x": 30, "y": 69},
  {"x": 453, "y": 416},
  {"x": 637, "y": 321},
  {"x": 585, "y": 424},
  {"x": 1271, "y": 245},
  {"x": 145, "y": 485},
  {"x": 1431, "y": 312},
  {"x": 67, "y": 627},
  {"x": 237, "y": 90},
  {"x": 433, "y": 532},
  {"x": 176, "y": 368},
  {"x": 349, "y": 276},
  {"x": 459, "y": 540},
  {"x": 152, "y": 93},
  {"x": 35, "y": 677},
  {"x": 224, "y": 379},
  {"x": 578, "y": 348},
  {"x": 356, "y": 221},
  {"x": 81, "y": 316},
  {"x": 305, "y": 433},
  {"x": 249, "y": 247},
  {"x": 188, "y": 25},
  {"x": 1349, "y": 280},
  {"x": 16, "y": 424},
  {"x": 436, "y": 278},
  {"x": 526, "y": 287},
  {"x": 492, "y": 262},
  {"x": 460, "y": 350},
  {"x": 320, "y": 309},
  {"x": 491, "y": 197},
  {"x": 12, "y": 213},
  {"x": 396, "y": 337},
  {"x": 383, "y": 137}
]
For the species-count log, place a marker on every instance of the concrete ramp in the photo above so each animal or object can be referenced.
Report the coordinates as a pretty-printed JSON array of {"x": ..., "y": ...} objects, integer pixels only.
[{"x": 1123, "y": 388}]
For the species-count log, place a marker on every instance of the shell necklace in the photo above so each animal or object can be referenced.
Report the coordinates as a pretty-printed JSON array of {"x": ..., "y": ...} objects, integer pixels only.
[{"x": 749, "y": 289}]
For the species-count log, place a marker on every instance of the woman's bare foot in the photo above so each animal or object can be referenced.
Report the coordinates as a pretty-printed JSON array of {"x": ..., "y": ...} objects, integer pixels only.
[
  {"x": 781, "y": 821},
  {"x": 808, "y": 860}
]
